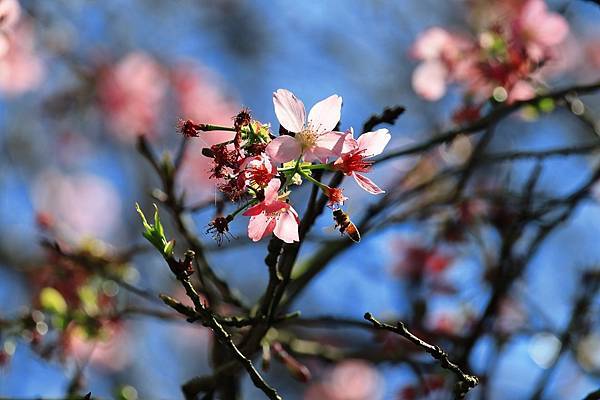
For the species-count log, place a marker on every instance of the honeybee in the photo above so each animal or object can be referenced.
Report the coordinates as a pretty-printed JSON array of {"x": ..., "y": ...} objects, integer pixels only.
[{"x": 345, "y": 225}]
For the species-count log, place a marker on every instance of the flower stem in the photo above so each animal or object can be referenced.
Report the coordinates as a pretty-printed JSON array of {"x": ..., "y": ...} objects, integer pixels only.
[
  {"x": 242, "y": 208},
  {"x": 208, "y": 127},
  {"x": 309, "y": 178},
  {"x": 326, "y": 167}
]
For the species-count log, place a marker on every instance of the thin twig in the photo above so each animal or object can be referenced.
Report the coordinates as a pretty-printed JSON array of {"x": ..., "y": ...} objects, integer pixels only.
[{"x": 466, "y": 381}]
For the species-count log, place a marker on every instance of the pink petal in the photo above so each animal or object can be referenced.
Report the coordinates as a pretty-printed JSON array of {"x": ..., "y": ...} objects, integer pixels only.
[
  {"x": 276, "y": 207},
  {"x": 325, "y": 115},
  {"x": 310, "y": 155},
  {"x": 289, "y": 110},
  {"x": 521, "y": 90},
  {"x": 260, "y": 226},
  {"x": 374, "y": 142},
  {"x": 349, "y": 143},
  {"x": 271, "y": 190},
  {"x": 429, "y": 44},
  {"x": 367, "y": 184},
  {"x": 329, "y": 144},
  {"x": 286, "y": 228},
  {"x": 283, "y": 149},
  {"x": 547, "y": 28},
  {"x": 552, "y": 30},
  {"x": 429, "y": 80},
  {"x": 254, "y": 210}
]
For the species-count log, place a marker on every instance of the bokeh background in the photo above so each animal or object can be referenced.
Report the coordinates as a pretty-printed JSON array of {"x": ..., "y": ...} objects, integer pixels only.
[{"x": 82, "y": 79}]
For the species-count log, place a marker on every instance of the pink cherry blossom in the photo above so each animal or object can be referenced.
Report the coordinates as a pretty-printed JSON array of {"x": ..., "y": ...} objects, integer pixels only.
[
  {"x": 431, "y": 44},
  {"x": 10, "y": 11},
  {"x": 273, "y": 215},
  {"x": 446, "y": 57},
  {"x": 131, "y": 94},
  {"x": 540, "y": 28},
  {"x": 354, "y": 160},
  {"x": 21, "y": 68},
  {"x": 521, "y": 90},
  {"x": 429, "y": 80},
  {"x": 351, "y": 379},
  {"x": 314, "y": 137}
]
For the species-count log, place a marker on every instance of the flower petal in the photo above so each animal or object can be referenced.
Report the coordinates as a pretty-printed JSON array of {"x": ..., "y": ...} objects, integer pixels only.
[
  {"x": 289, "y": 110},
  {"x": 430, "y": 44},
  {"x": 330, "y": 144},
  {"x": 271, "y": 190},
  {"x": 332, "y": 141},
  {"x": 254, "y": 210},
  {"x": 324, "y": 116},
  {"x": 367, "y": 184},
  {"x": 260, "y": 226},
  {"x": 283, "y": 149},
  {"x": 286, "y": 227},
  {"x": 429, "y": 80},
  {"x": 522, "y": 90},
  {"x": 373, "y": 143}
]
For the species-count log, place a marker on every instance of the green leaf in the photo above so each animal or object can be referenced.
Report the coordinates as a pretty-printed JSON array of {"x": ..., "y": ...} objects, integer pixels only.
[
  {"x": 155, "y": 232},
  {"x": 157, "y": 225},
  {"x": 168, "y": 250},
  {"x": 144, "y": 220},
  {"x": 51, "y": 300}
]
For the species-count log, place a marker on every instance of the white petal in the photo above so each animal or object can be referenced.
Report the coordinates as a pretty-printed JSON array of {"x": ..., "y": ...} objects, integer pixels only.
[
  {"x": 286, "y": 228},
  {"x": 374, "y": 142},
  {"x": 325, "y": 115},
  {"x": 429, "y": 80},
  {"x": 367, "y": 184},
  {"x": 283, "y": 149},
  {"x": 260, "y": 226},
  {"x": 289, "y": 110}
]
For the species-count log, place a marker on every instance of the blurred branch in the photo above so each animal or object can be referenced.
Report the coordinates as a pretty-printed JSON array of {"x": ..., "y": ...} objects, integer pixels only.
[
  {"x": 493, "y": 117},
  {"x": 587, "y": 291}
]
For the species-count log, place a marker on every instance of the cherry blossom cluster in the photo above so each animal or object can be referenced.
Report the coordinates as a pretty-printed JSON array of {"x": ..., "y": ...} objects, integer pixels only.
[
  {"x": 513, "y": 40},
  {"x": 259, "y": 170}
]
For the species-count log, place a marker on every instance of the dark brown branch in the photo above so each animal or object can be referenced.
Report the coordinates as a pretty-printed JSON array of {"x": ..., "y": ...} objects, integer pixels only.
[
  {"x": 209, "y": 320},
  {"x": 465, "y": 381},
  {"x": 388, "y": 116}
]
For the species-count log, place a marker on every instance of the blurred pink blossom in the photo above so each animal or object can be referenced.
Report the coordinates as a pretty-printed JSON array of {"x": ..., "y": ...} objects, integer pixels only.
[
  {"x": 540, "y": 28},
  {"x": 446, "y": 57},
  {"x": 201, "y": 98},
  {"x": 349, "y": 380},
  {"x": 512, "y": 41},
  {"x": 131, "y": 94},
  {"x": 21, "y": 68},
  {"x": 82, "y": 204},
  {"x": 111, "y": 353},
  {"x": 10, "y": 12}
]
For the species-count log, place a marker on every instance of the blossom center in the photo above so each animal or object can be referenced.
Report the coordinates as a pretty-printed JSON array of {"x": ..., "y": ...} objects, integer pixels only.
[
  {"x": 307, "y": 138},
  {"x": 354, "y": 162}
]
